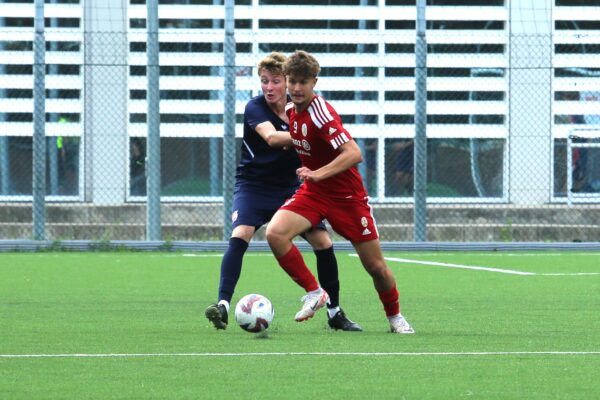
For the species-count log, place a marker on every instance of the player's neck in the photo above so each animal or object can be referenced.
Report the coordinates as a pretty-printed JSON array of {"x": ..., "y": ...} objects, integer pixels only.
[
  {"x": 301, "y": 107},
  {"x": 278, "y": 109}
]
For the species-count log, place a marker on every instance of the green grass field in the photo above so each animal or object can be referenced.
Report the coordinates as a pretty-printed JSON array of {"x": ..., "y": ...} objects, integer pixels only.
[{"x": 131, "y": 325}]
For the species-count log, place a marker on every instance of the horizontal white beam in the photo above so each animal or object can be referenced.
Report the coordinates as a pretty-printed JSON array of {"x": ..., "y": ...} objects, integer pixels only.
[{"x": 576, "y": 13}]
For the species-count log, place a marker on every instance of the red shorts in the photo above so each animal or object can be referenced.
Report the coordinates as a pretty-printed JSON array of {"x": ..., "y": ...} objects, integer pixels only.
[{"x": 352, "y": 218}]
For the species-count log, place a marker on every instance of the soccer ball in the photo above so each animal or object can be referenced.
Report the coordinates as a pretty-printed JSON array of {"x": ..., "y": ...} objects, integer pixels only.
[{"x": 254, "y": 313}]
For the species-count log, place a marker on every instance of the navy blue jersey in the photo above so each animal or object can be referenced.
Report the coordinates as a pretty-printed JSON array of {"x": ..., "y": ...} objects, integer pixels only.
[{"x": 260, "y": 164}]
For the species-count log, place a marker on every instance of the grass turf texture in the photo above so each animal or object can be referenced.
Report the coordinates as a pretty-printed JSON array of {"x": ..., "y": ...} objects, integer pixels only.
[{"x": 153, "y": 303}]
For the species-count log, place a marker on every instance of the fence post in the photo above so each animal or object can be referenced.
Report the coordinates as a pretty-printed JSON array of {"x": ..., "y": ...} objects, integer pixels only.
[
  {"x": 39, "y": 125},
  {"x": 228, "y": 119},
  {"x": 420, "y": 161},
  {"x": 153, "y": 118}
]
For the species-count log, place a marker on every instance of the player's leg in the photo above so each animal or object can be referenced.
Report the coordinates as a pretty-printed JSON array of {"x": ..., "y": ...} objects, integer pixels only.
[
  {"x": 353, "y": 219},
  {"x": 284, "y": 226},
  {"x": 231, "y": 268},
  {"x": 251, "y": 209},
  {"x": 231, "y": 264},
  {"x": 327, "y": 272},
  {"x": 372, "y": 259}
]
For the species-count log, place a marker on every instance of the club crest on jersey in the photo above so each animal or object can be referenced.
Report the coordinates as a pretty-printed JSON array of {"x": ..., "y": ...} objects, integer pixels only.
[
  {"x": 306, "y": 145},
  {"x": 364, "y": 222},
  {"x": 234, "y": 216},
  {"x": 304, "y": 130}
]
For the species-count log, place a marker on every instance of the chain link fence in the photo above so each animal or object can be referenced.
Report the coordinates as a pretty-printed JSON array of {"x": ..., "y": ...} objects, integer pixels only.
[{"x": 513, "y": 115}]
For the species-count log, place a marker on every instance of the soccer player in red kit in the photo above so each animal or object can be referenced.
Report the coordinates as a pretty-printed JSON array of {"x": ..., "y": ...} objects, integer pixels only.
[{"x": 332, "y": 189}]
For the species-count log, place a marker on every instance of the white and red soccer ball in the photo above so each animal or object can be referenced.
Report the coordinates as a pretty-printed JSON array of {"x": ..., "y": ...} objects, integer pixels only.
[{"x": 254, "y": 313}]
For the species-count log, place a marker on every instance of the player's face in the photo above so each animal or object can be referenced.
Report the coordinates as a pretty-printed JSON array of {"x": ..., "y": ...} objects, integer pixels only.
[
  {"x": 273, "y": 87},
  {"x": 301, "y": 90}
]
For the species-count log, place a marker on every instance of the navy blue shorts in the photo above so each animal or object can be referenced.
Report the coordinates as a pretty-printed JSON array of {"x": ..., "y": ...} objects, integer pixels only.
[{"x": 255, "y": 207}]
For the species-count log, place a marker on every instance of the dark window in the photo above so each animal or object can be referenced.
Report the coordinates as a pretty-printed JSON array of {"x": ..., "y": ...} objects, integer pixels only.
[
  {"x": 61, "y": 22},
  {"x": 319, "y": 48},
  {"x": 578, "y": 3},
  {"x": 16, "y": 117},
  {"x": 65, "y": 167},
  {"x": 190, "y": 23},
  {"x": 404, "y": 119},
  {"x": 137, "y": 23},
  {"x": 576, "y": 72},
  {"x": 55, "y": 117},
  {"x": 316, "y": 24},
  {"x": 399, "y": 48},
  {"x": 470, "y": 3},
  {"x": 194, "y": 2},
  {"x": 465, "y": 48},
  {"x": 464, "y": 25},
  {"x": 14, "y": 22},
  {"x": 62, "y": 69},
  {"x": 137, "y": 70},
  {"x": 16, "y": 69},
  {"x": 348, "y": 71},
  {"x": 359, "y": 119},
  {"x": 17, "y": 93},
  {"x": 63, "y": 93},
  {"x": 576, "y": 48},
  {"x": 63, "y": 46},
  {"x": 174, "y": 94},
  {"x": 16, "y": 46},
  {"x": 401, "y": 24},
  {"x": 577, "y": 25},
  {"x": 319, "y": 2},
  {"x": 136, "y": 47},
  {"x": 184, "y": 70},
  {"x": 348, "y": 95},
  {"x": 398, "y": 95},
  {"x": 396, "y": 71}
]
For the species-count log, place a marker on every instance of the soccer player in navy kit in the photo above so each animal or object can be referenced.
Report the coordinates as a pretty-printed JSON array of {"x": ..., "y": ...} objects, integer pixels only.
[
  {"x": 266, "y": 177},
  {"x": 332, "y": 188}
]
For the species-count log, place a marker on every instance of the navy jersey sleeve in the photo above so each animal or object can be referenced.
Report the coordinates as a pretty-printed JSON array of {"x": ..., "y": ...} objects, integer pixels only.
[{"x": 255, "y": 114}]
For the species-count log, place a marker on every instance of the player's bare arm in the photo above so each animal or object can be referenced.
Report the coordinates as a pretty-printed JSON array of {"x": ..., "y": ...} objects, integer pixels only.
[
  {"x": 349, "y": 156},
  {"x": 273, "y": 137}
]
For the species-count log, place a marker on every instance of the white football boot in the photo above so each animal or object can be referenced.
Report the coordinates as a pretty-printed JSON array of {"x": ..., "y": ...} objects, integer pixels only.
[
  {"x": 400, "y": 325},
  {"x": 312, "y": 302}
]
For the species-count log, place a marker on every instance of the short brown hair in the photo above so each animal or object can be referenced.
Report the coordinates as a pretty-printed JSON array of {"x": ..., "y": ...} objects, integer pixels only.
[
  {"x": 301, "y": 64},
  {"x": 272, "y": 63}
]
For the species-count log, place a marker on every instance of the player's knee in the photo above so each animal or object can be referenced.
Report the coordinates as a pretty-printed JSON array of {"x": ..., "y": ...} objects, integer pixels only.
[
  {"x": 319, "y": 240},
  {"x": 377, "y": 269},
  {"x": 273, "y": 236}
]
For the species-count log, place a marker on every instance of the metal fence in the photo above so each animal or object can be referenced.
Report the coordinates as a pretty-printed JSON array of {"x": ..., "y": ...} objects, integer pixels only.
[{"x": 512, "y": 114}]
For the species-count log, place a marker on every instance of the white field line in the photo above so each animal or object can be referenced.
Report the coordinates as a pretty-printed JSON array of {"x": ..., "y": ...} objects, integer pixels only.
[
  {"x": 284, "y": 354},
  {"x": 441, "y": 264},
  {"x": 248, "y": 254},
  {"x": 569, "y": 274},
  {"x": 541, "y": 253},
  {"x": 489, "y": 269},
  {"x": 435, "y": 263}
]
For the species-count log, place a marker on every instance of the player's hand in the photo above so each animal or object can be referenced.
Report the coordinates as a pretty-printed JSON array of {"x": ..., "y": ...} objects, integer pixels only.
[{"x": 305, "y": 174}]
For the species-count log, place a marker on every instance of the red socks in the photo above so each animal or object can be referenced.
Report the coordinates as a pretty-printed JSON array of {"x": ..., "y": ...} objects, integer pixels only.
[
  {"x": 390, "y": 300},
  {"x": 293, "y": 264}
]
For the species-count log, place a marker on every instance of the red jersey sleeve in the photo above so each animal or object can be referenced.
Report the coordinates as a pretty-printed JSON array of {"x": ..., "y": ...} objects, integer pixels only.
[{"x": 328, "y": 122}]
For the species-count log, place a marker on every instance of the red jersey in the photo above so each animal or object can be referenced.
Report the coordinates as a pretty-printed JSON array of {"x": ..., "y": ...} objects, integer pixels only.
[{"x": 317, "y": 133}]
